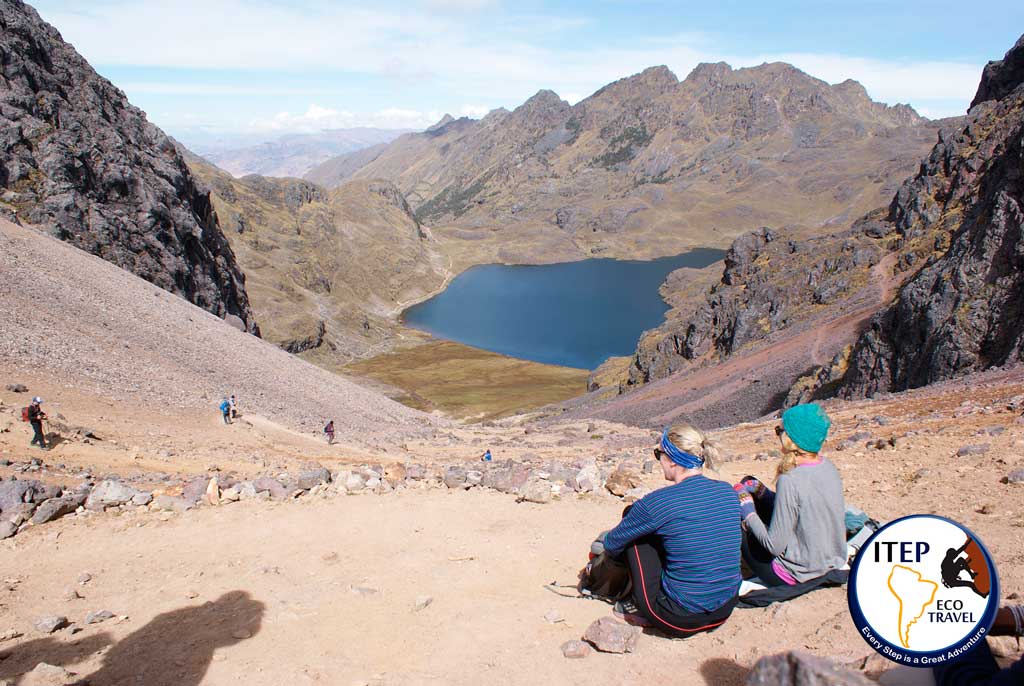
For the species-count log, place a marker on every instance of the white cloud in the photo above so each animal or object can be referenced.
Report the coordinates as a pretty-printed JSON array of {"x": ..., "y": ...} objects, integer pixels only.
[
  {"x": 318, "y": 118},
  {"x": 474, "y": 111},
  {"x": 499, "y": 62},
  {"x": 461, "y": 5}
]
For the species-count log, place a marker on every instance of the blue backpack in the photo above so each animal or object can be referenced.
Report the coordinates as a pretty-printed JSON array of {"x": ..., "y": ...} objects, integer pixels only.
[{"x": 225, "y": 406}]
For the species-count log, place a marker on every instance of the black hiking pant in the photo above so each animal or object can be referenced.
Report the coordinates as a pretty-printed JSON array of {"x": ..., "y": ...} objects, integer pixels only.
[
  {"x": 37, "y": 427},
  {"x": 756, "y": 555},
  {"x": 645, "y": 565}
]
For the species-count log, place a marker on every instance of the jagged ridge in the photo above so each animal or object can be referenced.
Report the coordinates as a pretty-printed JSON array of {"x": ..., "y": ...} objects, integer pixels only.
[{"x": 81, "y": 161}]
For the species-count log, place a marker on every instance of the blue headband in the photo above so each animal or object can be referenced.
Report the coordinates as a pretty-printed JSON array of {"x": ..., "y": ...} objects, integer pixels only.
[{"x": 680, "y": 457}]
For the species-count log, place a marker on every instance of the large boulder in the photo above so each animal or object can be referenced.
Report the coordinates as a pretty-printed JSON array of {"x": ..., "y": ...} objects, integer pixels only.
[
  {"x": 109, "y": 493},
  {"x": 795, "y": 668},
  {"x": 276, "y": 489},
  {"x": 18, "y": 491},
  {"x": 623, "y": 480},
  {"x": 313, "y": 476},
  {"x": 455, "y": 477},
  {"x": 586, "y": 479},
  {"x": 55, "y": 508},
  {"x": 509, "y": 477}
]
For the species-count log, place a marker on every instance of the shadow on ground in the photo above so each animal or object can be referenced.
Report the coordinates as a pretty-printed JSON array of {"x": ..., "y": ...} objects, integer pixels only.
[
  {"x": 721, "y": 672},
  {"x": 174, "y": 649}
]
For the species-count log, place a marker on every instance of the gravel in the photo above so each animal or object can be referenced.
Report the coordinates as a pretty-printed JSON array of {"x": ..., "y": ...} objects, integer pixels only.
[{"x": 93, "y": 325}]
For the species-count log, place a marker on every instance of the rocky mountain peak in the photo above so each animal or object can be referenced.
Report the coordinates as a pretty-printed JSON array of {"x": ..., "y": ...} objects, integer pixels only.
[
  {"x": 444, "y": 121},
  {"x": 494, "y": 116},
  {"x": 542, "y": 100},
  {"x": 708, "y": 73},
  {"x": 79, "y": 160},
  {"x": 851, "y": 87},
  {"x": 658, "y": 78},
  {"x": 1001, "y": 77}
]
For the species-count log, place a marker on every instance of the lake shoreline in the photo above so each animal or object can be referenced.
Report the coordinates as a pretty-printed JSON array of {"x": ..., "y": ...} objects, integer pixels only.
[{"x": 572, "y": 314}]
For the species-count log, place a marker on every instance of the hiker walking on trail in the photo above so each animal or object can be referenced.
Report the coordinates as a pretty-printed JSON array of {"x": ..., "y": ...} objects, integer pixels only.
[
  {"x": 234, "y": 406},
  {"x": 681, "y": 542},
  {"x": 225, "y": 410},
  {"x": 798, "y": 532},
  {"x": 35, "y": 416},
  {"x": 329, "y": 432}
]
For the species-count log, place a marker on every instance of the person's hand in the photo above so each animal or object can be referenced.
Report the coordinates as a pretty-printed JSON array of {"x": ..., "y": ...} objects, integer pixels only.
[
  {"x": 747, "y": 508},
  {"x": 750, "y": 485}
]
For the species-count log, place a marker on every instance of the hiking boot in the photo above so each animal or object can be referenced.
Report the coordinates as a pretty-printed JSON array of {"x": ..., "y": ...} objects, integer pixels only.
[{"x": 627, "y": 611}]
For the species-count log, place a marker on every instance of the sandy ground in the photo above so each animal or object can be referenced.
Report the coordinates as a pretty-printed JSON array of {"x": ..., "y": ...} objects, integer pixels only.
[{"x": 269, "y": 593}]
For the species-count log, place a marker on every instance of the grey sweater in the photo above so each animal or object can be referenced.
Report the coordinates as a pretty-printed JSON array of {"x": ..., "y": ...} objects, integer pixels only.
[{"x": 808, "y": 529}]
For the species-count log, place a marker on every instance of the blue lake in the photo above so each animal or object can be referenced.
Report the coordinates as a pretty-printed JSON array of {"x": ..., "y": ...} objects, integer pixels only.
[{"x": 575, "y": 314}]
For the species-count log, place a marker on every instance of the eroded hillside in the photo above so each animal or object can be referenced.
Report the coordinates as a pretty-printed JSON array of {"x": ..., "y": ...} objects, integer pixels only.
[{"x": 328, "y": 271}]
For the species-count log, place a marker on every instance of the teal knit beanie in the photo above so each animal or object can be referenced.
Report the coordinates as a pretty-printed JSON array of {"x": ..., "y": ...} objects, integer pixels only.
[{"x": 807, "y": 426}]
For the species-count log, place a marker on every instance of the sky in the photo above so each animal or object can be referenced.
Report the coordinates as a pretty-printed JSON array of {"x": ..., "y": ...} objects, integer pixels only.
[{"x": 265, "y": 68}]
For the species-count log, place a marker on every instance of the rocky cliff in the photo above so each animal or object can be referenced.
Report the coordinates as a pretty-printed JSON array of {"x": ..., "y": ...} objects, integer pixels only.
[
  {"x": 328, "y": 271},
  {"x": 649, "y": 165},
  {"x": 963, "y": 309},
  {"x": 769, "y": 283},
  {"x": 80, "y": 161}
]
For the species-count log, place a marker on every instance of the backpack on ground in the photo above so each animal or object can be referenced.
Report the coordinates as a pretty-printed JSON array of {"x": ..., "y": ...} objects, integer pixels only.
[
  {"x": 604, "y": 577},
  {"x": 24, "y": 414}
]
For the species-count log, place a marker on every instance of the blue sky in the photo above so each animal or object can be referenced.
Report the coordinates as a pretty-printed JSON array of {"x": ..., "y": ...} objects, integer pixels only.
[{"x": 264, "y": 68}]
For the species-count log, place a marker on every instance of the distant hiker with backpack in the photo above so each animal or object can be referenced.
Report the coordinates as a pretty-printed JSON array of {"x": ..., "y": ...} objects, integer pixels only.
[
  {"x": 681, "y": 543},
  {"x": 34, "y": 415},
  {"x": 329, "y": 432},
  {"x": 234, "y": 406},
  {"x": 225, "y": 410}
]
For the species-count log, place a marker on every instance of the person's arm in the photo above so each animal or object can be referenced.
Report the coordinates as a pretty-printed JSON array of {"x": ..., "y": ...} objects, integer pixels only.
[
  {"x": 779, "y": 534},
  {"x": 636, "y": 524}
]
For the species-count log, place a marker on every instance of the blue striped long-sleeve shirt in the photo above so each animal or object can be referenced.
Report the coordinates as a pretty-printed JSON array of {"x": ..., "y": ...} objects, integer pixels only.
[{"x": 698, "y": 522}]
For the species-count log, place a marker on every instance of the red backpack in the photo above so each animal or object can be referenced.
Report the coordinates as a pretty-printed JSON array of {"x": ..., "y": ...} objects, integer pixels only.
[{"x": 24, "y": 414}]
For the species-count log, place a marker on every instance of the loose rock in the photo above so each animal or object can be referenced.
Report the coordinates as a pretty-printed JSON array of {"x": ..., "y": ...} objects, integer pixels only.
[
  {"x": 97, "y": 617},
  {"x": 109, "y": 493},
  {"x": 51, "y": 623},
  {"x": 575, "y": 649},
  {"x": 47, "y": 675},
  {"x": 609, "y": 635},
  {"x": 1014, "y": 477},
  {"x": 978, "y": 449},
  {"x": 55, "y": 508},
  {"x": 537, "y": 492}
]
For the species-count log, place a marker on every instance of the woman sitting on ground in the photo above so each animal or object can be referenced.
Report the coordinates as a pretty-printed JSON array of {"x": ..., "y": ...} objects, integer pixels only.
[
  {"x": 681, "y": 542},
  {"x": 797, "y": 533}
]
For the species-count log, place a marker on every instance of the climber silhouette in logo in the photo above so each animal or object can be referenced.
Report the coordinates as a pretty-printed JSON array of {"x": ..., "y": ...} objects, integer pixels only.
[{"x": 973, "y": 562}]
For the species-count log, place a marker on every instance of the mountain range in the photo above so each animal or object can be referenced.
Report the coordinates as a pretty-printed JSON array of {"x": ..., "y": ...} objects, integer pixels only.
[
  {"x": 294, "y": 154},
  {"x": 649, "y": 165},
  {"x": 927, "y": 289},
  {"x": 858, "y": 282}
]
